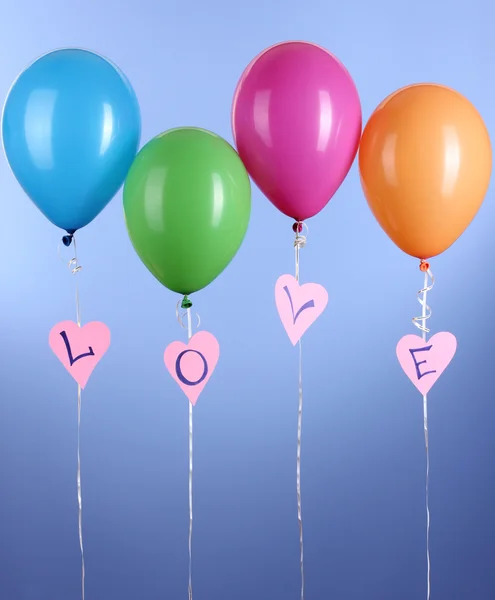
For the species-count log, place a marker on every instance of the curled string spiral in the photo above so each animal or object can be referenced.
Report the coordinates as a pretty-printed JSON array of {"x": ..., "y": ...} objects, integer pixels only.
[
  {"x": 186, "y": 304},
  {"x": 75, "y": 268},
  {"x": 420, "y": 323},
  {"x": 429, "y": 282},
  {"x": 299, "y": 243},
  {"x": 182, "y": 317}
]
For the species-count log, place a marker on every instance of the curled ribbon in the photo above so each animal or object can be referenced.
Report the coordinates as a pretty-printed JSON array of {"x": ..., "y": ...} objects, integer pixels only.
[
  {"x": 299, "y": 243},
  {"x": 180, "y": 317},
  {"x": 429, "y": 282}
]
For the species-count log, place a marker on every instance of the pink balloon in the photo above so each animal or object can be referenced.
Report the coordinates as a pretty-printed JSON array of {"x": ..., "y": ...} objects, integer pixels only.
[{"x": 296, "y": 119}]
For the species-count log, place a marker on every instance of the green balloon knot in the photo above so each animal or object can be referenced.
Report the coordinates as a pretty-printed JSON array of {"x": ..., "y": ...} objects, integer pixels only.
[{"x": 186, "y": 302}]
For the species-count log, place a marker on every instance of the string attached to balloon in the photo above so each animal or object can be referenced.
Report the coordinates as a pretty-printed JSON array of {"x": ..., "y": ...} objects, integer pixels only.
[
  {"x": 79, "y": 349},
  {"x": 299, "y": 243},
  {"x": 75, "y": 268},
  {"x": 298, "y": 307},
  {"x": 186, "y": 305},
  {"x": 420, "y": 323},
  {"x": 423, "y": 361}
]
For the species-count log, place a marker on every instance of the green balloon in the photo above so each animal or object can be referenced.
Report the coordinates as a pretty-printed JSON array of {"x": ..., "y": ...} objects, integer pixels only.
[{"x": 187, "y": 203}]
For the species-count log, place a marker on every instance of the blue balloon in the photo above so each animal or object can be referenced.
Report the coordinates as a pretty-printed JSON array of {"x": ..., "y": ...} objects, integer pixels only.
[{"x": 71, "y": 128}]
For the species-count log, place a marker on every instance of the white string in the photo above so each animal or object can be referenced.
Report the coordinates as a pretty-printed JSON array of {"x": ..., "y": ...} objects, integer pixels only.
[
  {"x": 79, "y": 494},
  {"x": 299, "y": 243},
  {"x": 75, "y": 268},
  {"x": 425, "y": 416},
  {"x": 420, "y": 323},
  {"x": 189, "y": 336}
]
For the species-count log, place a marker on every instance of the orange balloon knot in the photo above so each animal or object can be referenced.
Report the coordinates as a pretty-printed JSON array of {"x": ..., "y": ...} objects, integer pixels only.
[{"x": 424, "y": 266}]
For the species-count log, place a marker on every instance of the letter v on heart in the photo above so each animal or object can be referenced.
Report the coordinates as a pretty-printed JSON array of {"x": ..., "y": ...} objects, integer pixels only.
[{"x": 298, "y": 305}]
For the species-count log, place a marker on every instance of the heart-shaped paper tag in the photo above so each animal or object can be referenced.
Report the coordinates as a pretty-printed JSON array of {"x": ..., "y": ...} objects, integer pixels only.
[
  {"x": 298, "y": 305},
  {"x": 79, "y": 349},
  {"x": 192, "y": 364},
  {"x": 424, "y": 362}
]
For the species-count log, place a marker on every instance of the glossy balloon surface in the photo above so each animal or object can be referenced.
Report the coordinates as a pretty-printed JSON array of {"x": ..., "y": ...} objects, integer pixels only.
[
  {"x": 187, "y": 203},
  {"x": 296, "y": 118},
  {"x": 71, "y": 128},
  {"x": 425, "y": 161}
]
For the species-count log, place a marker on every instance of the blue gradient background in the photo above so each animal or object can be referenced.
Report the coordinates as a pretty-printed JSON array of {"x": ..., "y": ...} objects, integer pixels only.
[{"x": 363, "y": 458}]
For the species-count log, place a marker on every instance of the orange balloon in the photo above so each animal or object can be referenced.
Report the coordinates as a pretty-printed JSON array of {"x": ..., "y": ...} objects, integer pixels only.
[{"x": 425, "y": 161}]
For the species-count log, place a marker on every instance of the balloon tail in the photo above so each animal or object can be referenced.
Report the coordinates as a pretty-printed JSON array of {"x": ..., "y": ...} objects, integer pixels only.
[
  {"x": 299, "y": 243},
  {"x": 75, "y": 268},
  {"x": 420, "y": 323}
]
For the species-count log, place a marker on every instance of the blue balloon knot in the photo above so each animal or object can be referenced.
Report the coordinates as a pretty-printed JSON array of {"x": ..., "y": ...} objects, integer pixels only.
[{"x": 67, "y": 240}]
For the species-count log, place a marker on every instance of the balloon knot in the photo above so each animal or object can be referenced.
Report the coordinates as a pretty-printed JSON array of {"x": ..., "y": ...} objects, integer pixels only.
[
  {"x": 424, "y": 266},
  {"x": 67, "y": 240},
  {"x": 297, "y": 227},
  {"x": 186, "y": 302}
]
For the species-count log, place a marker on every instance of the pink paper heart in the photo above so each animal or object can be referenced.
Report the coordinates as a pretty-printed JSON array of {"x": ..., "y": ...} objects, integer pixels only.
[
  {"x": 192, "y": 364},
  {"x": 79, "y": 349},
  {"x": 424, "y": 362},
  {"x": 298, "y": 305}
]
